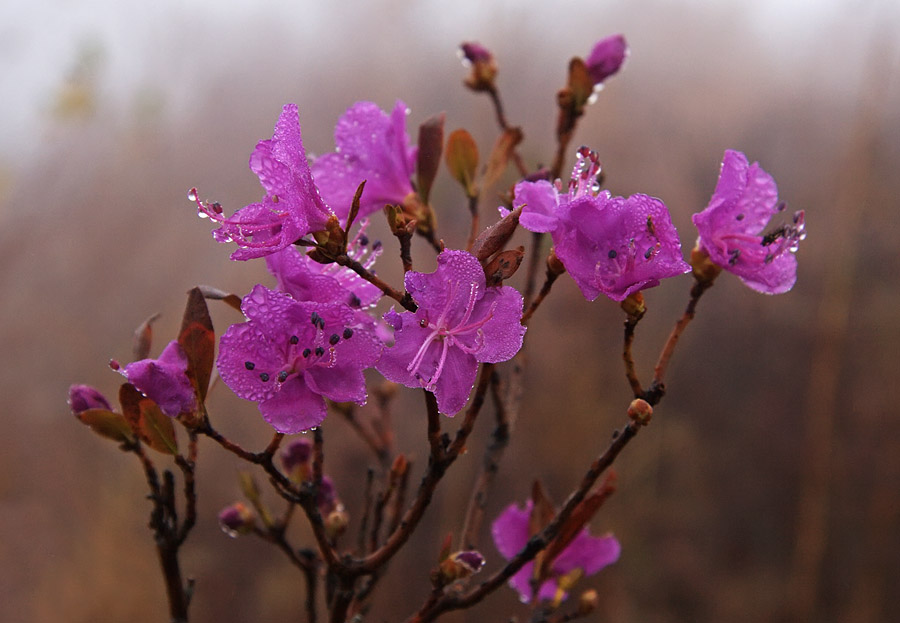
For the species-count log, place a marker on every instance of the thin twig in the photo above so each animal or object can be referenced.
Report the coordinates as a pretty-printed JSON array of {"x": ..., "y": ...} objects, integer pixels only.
[
  {"x": 545, "y": 290},
  {"x": 404, "y": 299}
]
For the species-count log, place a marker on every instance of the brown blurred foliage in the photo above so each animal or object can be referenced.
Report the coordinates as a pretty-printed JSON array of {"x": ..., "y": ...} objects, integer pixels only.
[{"x": 767, "y": 486}]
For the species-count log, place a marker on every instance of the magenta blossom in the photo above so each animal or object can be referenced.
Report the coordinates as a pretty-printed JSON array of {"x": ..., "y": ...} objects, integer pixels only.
[
  {"x": 290, "y": 355},
  {"x": 371, "y": 147},
  {"x": 459, "y": 323},
  {"x": 609, "y": 245},
  {"x": 731, "y": 227},
  {"x": 308, "y": 280},
  {"x": 606, "y": 58},
  {"x": 164, "y": 380},
  {"x": 588, "y": 553},
  {"x": 291, "y": 208}
]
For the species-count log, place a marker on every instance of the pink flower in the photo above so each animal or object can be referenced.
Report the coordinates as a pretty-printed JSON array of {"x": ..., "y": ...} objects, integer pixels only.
[
  {"x": 84, "y": 397},
  {"x": 290, "y": 355},
  {"x": 164, "y": 380},
  {"x": 459, "y": 323},
  {"x": 609, "y": 245},
  {"x": 371, "y": 147},
  {"x": 291, "y": 208},
  {"x": 588, "y": 553},
  {"x": 732, "y": 227}
]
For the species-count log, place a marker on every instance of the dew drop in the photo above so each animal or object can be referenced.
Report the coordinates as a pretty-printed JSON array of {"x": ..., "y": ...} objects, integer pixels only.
[{"x": 192, "y": 195}]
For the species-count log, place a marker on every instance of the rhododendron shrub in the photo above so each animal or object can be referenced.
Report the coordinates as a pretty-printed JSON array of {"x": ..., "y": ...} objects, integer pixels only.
[{"x": 322, "y": 333}]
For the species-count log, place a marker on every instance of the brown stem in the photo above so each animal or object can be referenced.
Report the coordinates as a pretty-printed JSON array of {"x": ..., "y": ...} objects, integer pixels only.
[
  {"x": 404, "y": 299},
  {"x": 504, "y": 125},
  {"x": 545, "y": 290},
  {"x": 658, "y": 387},
  {"x": 534, "y": 259},
  {"x": 438, "y": 461},
  {"x": 490, "y": 464},
  {"x": 538, "y": 542},
  {"x": 630, "y": 324},
  {"x": 473, "y": 230}
]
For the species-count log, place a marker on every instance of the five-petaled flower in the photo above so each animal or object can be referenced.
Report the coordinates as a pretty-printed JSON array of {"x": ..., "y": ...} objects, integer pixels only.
[
  {"x": 164, "y": 380},
  {"x": 290, "y": 355},
  {"x": 371, "y": 147},
  {"x": 459, "y": 322},
  {"x": 292, "y": 206},
  {"x": 511, "y": 531},
  {"x": 610, "y": 245},
  {"x": 731, "y": 227}
]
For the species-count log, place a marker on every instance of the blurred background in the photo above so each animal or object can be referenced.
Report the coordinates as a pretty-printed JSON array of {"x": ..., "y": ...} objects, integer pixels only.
[{"x": 767, "y": 486}]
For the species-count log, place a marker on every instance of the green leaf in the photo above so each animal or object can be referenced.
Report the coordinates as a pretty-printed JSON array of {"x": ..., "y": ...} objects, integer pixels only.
[
  {"x": 148, "y": 422},
  {"x": 198, "y": 339},
  {"x": 107, "y": 424}
]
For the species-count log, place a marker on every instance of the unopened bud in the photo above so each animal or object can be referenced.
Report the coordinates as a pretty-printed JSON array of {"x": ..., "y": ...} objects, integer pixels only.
[
  {"x": 237, "y": 519},
  {"x": 633, "y": 305},
  {"x": 84, "y": 397},
  {"x": 484, "y": 67},
  {"x": 554, "y": 265},
  {"x": 295, "y": 459},
  {"x": 588, "y": 602},
  {"x": 461, "y": 565},
  {"x": 640, "y": 411},
  {"x": 336, "y": 523},
  {"x": 704, "y": 270}
]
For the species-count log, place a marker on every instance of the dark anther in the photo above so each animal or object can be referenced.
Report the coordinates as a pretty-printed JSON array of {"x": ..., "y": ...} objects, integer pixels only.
[
  {"x": 294, "y": 339},
  {"x": 354, "y": 301},
  {"x": 650, "y": 226},
  {"x": 376, "y": 245},
  {"x": 612, "y": 254},
  {"x": 216, "y": 207},
  {"x": 282, "y": 376},
  {"x": 264, "y": 377},
  {"x": 739, "y": 217},
  {"x": 334, "y": 339},
  {"x": 249, "y": 365},
  {"x": 648, "y": 253},
  {"x": 781, "y": 206},
  {"x": 734, "y": 255},
  {"x": 319, "y": 351},
  {"x": 772, "y": 237},
  {"x": 423, "y": 323},
  {"x": 307, "y": 352},
  {"x": 274, "y": 198},
  {"x": 348, "y": 333},
  {"x": 315, "y": 318},
  {"x": 363, "y": 241},
  {"x": 769, "y": 258}
]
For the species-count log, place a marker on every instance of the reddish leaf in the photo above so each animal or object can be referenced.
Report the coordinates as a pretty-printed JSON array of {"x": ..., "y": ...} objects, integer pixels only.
[
  {"x": 431, "y": 143},
  {"x": 107, "y": 424},
  {"x": 496, "y": 236},
  {"x": 500, "y": 155},
  {"x": 503, "y": 266},
  {"x": 143, "y": 338},
  {"x": 232, "y": 300},
  {"x": 147, "y": 421},
  {"x": 198, "y": 339}
]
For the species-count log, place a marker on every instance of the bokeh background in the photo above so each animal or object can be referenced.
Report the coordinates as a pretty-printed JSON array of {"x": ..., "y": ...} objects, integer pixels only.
[{"x": 767, "y": 486}]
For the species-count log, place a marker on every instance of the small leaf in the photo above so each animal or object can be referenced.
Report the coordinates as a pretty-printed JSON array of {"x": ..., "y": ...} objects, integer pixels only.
[
  {"x": 496, "y": 236},
  {"x": 107, "y": 424},
  {"x": 501, "y": 154},
  {"x": 581, "y": 85},
  {"x": 503, "y": 266},
  {"x": 431, "y": 143},
  {"x": 143, "y": 338},
  {"x": 198, "y": 339},
  {"x": 542, "y": 511},
  {"x": 147, "y": 421},
  {"x": 462, "y": 159},
  {"x": 232, "y": 300},
  {"x": 446, "y": 547},
  {"x": 354, "y": 207}
]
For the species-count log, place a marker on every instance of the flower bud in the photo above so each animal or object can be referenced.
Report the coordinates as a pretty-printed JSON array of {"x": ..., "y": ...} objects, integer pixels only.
[
  {"x": 484, "y": 67},
  {"x": 640, "y": 411},
  {"x": 336, "y": 523},
  {"x": 704, "y": 270},
  {"x": 633, "y": 305},
  {"x": 461, "y": 565},
  {"x": 295, "y": 459},
  {"x": 606, "y": 58},
  {"x": 237, "y": 519},
  {"x": 554, "y": 265},
  {"x": 588, "y": 602},
  {"x": 84, "y": 397}
]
